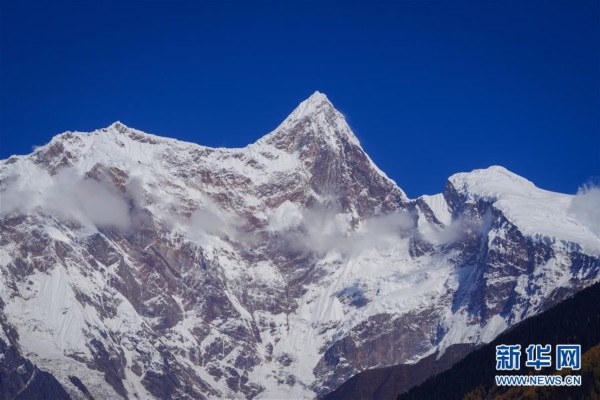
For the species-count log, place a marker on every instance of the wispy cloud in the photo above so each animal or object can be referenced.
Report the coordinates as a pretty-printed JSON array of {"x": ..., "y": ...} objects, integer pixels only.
[
  {"x": 66, "y": 195},
  {"x": 71, "y": 196},
  {"x": 210, "y": 219},
  {"x": 585, "y": 206},
  {"x": 321, "y": 229}
]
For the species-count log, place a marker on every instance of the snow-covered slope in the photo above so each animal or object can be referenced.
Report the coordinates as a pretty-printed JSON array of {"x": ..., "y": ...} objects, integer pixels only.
[
  {"x": 535, "y": 211},
  {"x": 134, "y": 265}
]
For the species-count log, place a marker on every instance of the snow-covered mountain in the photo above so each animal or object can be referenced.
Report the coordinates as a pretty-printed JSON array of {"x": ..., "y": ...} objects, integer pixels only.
[{"x": 137, "y": 266}]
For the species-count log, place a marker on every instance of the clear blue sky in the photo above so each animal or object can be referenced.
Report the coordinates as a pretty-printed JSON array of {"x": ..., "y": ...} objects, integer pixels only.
[{"x": 430, "y": 87}]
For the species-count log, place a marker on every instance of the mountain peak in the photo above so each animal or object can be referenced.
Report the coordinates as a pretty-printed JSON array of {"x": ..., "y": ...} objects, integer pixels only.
[
  {"x": 490, "y": 182},
  {"x": 317, "y": 97},
  {"x": 316, "y": 103},
  {"x": 314, "y": 120},
  {"x": 117, "y": 123},
  {"x": 118, "y": 126},
  {"x": 320, "y": 137}
]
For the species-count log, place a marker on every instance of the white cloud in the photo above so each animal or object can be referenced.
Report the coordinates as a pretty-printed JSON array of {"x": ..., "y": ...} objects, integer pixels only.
[
  {"x": 287, "y": 216},
  {"x": 384, "y": 231},
  {"x": 320, "y": 229},
  {"x": 211, "y": 220},
  {"x": 456, "y": 230},
  {"x": 66, "y": 195},
  {"x": 585, "y": 206}
]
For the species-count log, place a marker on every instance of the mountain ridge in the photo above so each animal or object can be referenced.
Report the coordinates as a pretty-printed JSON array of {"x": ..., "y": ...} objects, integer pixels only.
[{"x": 155, "y": 267}]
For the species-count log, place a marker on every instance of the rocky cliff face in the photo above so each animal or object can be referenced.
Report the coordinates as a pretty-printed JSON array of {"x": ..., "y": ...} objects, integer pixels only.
[{"x": 139, "y": 266}]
